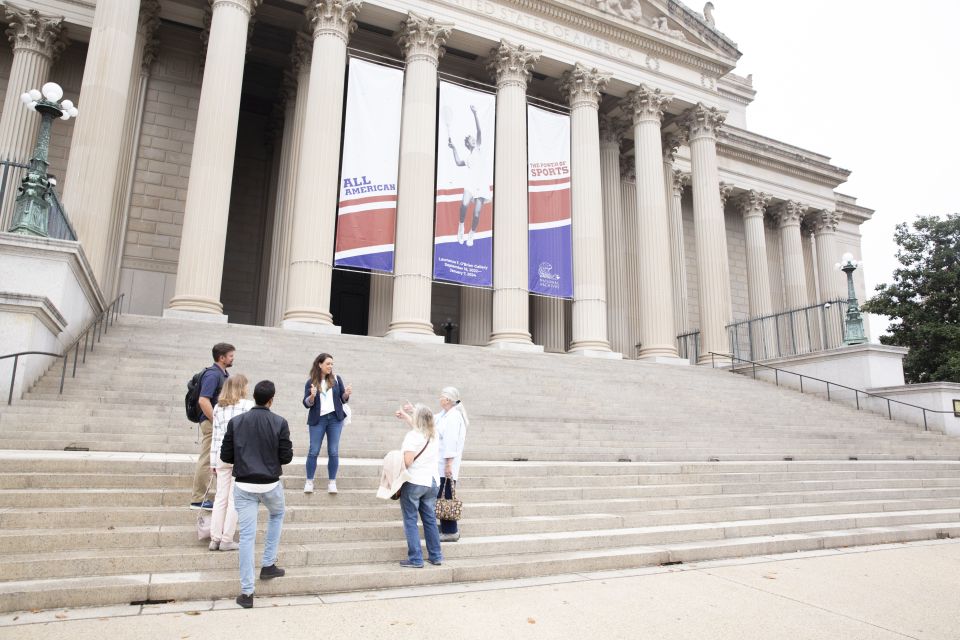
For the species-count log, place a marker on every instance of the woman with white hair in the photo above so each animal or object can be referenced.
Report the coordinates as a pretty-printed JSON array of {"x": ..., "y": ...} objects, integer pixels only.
[
  {"x": 452, "y": 422},
  {"x": 418, "y": 495}
]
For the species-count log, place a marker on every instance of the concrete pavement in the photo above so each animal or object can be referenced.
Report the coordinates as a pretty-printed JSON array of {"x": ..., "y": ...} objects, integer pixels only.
[{"x": 879, "y": 593}]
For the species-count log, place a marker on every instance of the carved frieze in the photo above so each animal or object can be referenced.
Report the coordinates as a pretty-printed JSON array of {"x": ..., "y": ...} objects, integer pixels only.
[{"x": 511, "y": 64}]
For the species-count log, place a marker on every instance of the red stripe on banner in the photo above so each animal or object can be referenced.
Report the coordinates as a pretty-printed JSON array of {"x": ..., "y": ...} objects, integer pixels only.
[
  {"x": 350, "y": 203},
  {"x": 543, "y": 182},
  {"x": 448, "y": 218},
  {"x": 548, "y": 206},
  {"x": 366, "y": 229}
]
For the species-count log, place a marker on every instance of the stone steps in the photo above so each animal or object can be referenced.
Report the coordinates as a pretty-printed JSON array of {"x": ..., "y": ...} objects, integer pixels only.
[{"x": 308, "y": 578}]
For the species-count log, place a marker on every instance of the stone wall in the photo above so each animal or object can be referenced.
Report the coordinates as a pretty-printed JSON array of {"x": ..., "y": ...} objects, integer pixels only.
[{"x": 162, "y": 171}]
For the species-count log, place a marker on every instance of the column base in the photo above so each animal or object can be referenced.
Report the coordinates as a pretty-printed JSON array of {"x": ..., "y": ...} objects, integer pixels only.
[
  {"x": 527, "y": 347},
  {"x": 595, "y": 353},
  {"x": 310, "y": 327},
  {"x": 407, "y": 336},
  {"x": 671, "y": 360},
  {"x": 196, "y": 316}
]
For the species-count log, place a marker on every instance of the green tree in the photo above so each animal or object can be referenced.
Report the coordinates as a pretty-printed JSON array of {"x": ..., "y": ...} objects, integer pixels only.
[{"x": 922, "y": 302}]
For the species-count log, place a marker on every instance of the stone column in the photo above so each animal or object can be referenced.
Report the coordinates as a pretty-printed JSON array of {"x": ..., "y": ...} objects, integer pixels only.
[
  {"x": 421, "y": 40},
  {"x": 145, "y": 52},
  {"x": 548, "y": 326},
  {"x": 381, "y": 304},
  {"x": 92, "y": 170},
  {"x": 510, "y": 65},
  {"x": 204, "y": 233},
  {"x": 611, "y": 133},
  {"x": 752, "y": 206},
  {"x": 315, "y": 202},
  {"x": 582, "y": 87},
  {"x": 297, "y": 88},
  {"x": 37, "y": 40},
  {"x": 476, "y": 315},
  {"x": 701, "y": 126},
  {"x": 658, "y": 335},
  {"x": 628, "y": 195},
  {"x": 789, "y": 216},
  {"x": 832, "y": 282},
  {"x": 675, "y": 181}
]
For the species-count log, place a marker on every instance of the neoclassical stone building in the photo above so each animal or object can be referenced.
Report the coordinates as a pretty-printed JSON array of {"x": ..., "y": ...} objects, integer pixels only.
[{"x": 202, "y": 175}]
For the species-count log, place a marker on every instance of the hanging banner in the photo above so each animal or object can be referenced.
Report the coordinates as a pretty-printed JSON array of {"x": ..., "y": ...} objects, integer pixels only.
[
  {"x": 463, "y": 236},
  {"x": 550, "y": 244},
  {"x": 367, "y": 214}
]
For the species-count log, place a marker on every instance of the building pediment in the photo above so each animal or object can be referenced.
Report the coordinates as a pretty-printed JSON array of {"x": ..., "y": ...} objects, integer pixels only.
[{"x": 671, "y": 20}]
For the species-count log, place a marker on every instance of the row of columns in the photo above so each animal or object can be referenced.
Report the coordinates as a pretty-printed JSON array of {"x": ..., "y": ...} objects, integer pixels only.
[{"x": 635, "y": 220}]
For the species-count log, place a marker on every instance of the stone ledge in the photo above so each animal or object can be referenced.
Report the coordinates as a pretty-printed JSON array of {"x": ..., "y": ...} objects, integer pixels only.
[{"x": 38, "y": 306}]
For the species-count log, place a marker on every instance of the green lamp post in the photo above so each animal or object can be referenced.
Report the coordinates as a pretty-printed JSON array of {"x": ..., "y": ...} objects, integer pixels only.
[
  {"x": 32, "y": 211},
  {"x": 853, "y": 332}
]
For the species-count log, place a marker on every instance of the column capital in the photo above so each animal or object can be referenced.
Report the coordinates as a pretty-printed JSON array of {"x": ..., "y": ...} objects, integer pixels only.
[
  {"x": 289, "y": 87},
  {"x": 671, "y": 144},
  {"x": 680, "y": 180},
  {"x": 612, "y": 129},
  {"x": 789, "y": 213},
  {"x": 510, "y": 64},
  {"x": 247, "y": 6},
  {"x": 725, "y": 190},
  {"x": 301, "y": 54},
  {"x": 824, "y": 221},
  {"x": 336, "y": 18},
  {"x": 628, "y": 168},
  {"x": 423, "y": 38},
  {"x": 149, "y": 26},
  {"x": 646, "y": 103},
  {"x": 753, "y": 204},
  {"x": 582, "y": 86},
  {"x": 702, "y": 121},
  {"x": 30, "y": 30}
]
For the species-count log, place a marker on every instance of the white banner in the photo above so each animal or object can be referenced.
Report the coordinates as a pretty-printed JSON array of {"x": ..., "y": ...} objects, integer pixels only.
[{"x": 367, "y": 214}]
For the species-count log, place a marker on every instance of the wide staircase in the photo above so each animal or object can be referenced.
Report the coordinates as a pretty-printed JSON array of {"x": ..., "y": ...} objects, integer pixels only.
[{"x": 572, "y": 465}]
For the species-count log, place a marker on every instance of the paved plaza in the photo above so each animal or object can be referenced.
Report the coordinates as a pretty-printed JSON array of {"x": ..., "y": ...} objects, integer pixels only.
[{"x": 876, "y": 593}]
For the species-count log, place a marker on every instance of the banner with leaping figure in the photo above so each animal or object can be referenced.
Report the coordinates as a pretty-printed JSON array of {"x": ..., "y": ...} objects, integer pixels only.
[
  {"x": 550, "y": 247},
  {"x": 367, "y": 213},
  {"x": 463, "y": 233}
]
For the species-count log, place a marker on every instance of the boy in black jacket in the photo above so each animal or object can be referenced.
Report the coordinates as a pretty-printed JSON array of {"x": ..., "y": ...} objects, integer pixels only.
[{"x": 257, "y": 444}]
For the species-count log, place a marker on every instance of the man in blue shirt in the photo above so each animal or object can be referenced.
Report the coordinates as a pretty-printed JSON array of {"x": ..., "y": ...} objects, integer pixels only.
[{"x": 210, "y": 385}]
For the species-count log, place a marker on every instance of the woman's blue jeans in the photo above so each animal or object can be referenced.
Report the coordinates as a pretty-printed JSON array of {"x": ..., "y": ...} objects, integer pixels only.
[
  {"x": 418, "y": 499},
  {"x": 330, "y": 427}
]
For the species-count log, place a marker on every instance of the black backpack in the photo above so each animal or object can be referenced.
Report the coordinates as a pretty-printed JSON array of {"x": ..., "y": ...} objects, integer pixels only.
[{"x": 191, "y": 401}]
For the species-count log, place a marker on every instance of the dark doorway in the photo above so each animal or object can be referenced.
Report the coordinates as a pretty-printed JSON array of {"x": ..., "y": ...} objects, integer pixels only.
[{"x": 350, "y": 301}]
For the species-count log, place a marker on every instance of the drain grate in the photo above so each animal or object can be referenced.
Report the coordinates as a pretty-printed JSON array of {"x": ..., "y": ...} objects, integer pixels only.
[
  {"x": 73, "y": 448},
  {"x": 136, "y": 603}
]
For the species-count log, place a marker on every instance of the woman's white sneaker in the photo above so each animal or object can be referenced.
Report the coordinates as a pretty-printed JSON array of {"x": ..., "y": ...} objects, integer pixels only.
[
  {"x": 332, "y": 486},
  {"x": 308, "y": 486}
]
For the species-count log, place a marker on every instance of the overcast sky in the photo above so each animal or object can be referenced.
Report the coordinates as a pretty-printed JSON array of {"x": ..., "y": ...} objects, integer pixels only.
[{"x": 874, "y": 85}]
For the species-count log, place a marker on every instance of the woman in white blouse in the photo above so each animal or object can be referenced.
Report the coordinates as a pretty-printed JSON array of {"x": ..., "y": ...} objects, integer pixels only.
[
  {"x": 223, "y": 522},
  {"x": 452, "y": 422}
]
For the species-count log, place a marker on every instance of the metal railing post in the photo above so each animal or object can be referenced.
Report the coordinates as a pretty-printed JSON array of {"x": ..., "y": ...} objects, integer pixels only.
[
  {"x": 63, "y": 372},
  {"x": 889, "y": 410},
  {"x": 13, "y": 377},
  {"x": 925, "y": 428},
  {"x": 856, "y": 395},
  {"x": 828, "y": 392}
]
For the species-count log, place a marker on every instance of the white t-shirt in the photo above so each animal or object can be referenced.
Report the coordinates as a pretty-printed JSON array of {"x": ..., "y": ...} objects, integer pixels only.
[
  {"x": 423, "y": 471},
  {"x": 326, "y": 398},
  {"x": 452, "y": 431}
]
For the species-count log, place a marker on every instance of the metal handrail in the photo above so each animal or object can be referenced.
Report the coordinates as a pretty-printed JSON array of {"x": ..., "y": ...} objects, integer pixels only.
[
  {"x": 857, "y": 392},
  {"x": 93, "y": 333}
]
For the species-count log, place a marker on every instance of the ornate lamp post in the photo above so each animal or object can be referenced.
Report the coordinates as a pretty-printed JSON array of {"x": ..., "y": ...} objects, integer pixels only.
[
  {"x": 853, "y": 332},
  {"x": 32, "y": 210}
]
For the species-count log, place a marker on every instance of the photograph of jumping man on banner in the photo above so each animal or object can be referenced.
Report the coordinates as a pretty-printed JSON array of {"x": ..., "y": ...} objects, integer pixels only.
[
  {"x": 476, "y": 191},
  {"x": 463, "y": 227}
]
